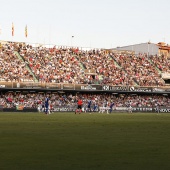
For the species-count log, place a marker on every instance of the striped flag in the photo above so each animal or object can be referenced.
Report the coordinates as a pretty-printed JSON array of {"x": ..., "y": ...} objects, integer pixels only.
[
  {"x": 26, "y": 31},
  {"x": 12, "y": 29}
]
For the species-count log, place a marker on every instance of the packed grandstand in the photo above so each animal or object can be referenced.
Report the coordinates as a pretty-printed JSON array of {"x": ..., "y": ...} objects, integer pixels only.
[{"x": 24, "y": 63}]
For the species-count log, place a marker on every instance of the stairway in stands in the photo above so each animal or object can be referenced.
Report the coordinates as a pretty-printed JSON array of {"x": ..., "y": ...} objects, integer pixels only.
[
  {"x": 116, "y": 63},
  {"x": 27, "y": 66},
  {"x": 159, "y": 71},
  {"x": 83, "y": 68}
]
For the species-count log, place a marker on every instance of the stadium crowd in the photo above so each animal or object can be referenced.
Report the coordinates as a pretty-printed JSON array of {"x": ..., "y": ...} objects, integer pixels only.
[
  {"x": 53, "y": 65},
  {"x": 33, "y": 100},
  {"x": 141, "y": 69},
  {"x": 19, "y": 62},
  {"x": 11, "y": 67}
]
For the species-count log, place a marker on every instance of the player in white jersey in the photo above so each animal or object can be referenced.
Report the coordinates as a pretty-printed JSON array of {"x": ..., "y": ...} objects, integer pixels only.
[
  {"x": 130, "y": 109},
  {"x": 104, "y": 107}
]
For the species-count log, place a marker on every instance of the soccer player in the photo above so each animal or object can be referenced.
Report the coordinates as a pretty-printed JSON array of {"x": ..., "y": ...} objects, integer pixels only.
[
  {"x": 46, "y": 105},
  {"x": 89, "y": 105},
  {"x": 95, "y": 106},
  {"x": 157, "y": 108},
  {"x": 79, "y": 106},
  {"x": 111, "y": 107},
  {"x": 130, "y": 109},
  {"x": 84, "y": 107},
  {"x": 49, "y": 107},
  {"x": 104, "y": 107},
  {"x": 100, "y": 107}
]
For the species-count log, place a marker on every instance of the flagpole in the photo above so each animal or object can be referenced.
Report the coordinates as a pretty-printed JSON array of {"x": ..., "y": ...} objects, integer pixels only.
[
  {"x": 12, "y": 31},
  {"x": 49, "y": 36},
  {"x": 72, "y": 40},
  {"x": 0, "y": 31},
  {"x": 26, "y": 33}
]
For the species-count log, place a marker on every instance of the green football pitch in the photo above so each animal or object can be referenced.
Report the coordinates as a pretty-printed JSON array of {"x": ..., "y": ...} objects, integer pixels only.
[{"x": 65, "y": 141}]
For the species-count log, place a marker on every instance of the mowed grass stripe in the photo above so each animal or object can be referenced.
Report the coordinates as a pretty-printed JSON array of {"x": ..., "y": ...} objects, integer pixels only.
[{"x": 86, "y": 141}]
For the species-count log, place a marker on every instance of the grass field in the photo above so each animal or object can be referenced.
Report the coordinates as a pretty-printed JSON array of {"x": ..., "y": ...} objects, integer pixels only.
[{"x": 62, "y": 141}]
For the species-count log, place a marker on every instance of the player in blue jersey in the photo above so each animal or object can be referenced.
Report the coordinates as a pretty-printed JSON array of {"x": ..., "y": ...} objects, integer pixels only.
[
  {"x": 46, "y": 104},
  {"x": 89, "y": 105},
  {"x": 111, "y": 107}
]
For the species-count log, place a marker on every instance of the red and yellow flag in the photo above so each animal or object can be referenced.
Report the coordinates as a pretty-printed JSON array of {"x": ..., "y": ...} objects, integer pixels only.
[
  {"x": 26, "y": 33},
  {"x": 12, "y": 29}
]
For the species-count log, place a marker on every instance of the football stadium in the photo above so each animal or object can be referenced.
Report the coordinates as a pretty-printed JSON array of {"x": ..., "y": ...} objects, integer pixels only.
[
  {"x": 69, "y": 107},
  {"x": 123, "y": 121}
]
